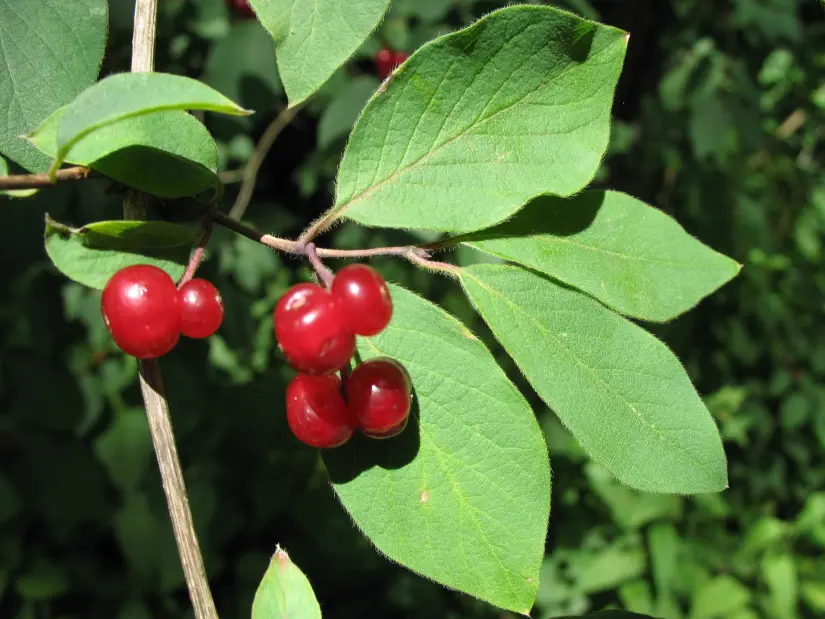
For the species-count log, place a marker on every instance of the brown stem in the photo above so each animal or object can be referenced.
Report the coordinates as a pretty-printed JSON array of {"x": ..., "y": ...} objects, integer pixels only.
[
  {"x": 38, "y": 181},
  {"x": 418, "y": 255},
  {"x": 250, "y": 172},
  {"x": 151, "y": 382},
  {"x": 324, "y": 274},
  {"x": 198, "y": 254}
]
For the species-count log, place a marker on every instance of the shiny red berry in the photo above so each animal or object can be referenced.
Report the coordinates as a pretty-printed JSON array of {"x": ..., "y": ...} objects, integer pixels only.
[
  {"x": 241, "y": 7},
  {"x": 364, "y": 298},
  {"x": 201, "y": 308},
  {"x": 316, "y": 411},
  {"x": 312, "y": 331},
  {"x": 379, "y": 394},
  {"x": 141, "y": 310},
  {"x": 386, "y": 60}
]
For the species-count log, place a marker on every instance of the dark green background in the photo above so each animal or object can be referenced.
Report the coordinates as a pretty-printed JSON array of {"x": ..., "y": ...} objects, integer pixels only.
[{"x": 719, "y": 121}]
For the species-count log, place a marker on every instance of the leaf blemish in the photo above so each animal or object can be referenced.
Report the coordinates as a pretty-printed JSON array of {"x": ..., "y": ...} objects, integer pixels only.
[{"x": 424, "y": 497}]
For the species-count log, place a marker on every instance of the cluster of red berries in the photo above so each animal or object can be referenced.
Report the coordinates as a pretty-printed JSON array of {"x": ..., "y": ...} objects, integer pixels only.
[
  {"x": 316, "y": 331},
  {"x": 386, "y": 60},
  {"x": 146, "y": 313},
  {"x": 241, "y": 7}
]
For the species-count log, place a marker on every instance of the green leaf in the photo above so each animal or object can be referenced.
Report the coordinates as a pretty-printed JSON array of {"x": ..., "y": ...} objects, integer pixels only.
[
  {"x": 630, "y": 256},
  {"x": 719, "y": 598},
  {"x": 126, "y": 95},
  {"x": 313, "y": 39},
  {"x": 779, "y": 573},
  {"x": 343, "y": 111},
  {"x": 620, "y": 391},
  {"x": 92, "y": 254},
  {"x": 285, "y": 592},
  {"x": 168, "y": 154},
  {"x": 462, "y": 496},
  {"x": 49, "y": 53},
  {"x": 478, "y": 122},
  {"x": 606, "y": 569}
]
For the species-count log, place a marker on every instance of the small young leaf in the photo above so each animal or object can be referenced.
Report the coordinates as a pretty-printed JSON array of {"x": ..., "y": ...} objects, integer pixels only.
[
  {"x": 630, "y": 256},
  {"x": 168, "y": 154},
  {"x": 50, "y": 53},
  {"x": 92, "y": 254},
  {"x": 620, "y": 391},
  {"x": 312, "y": 39},
  {"x": 478, "y": 122},
  {"x": 125, "y": 95},
  {"x": 284, "y": 592},
  {"x": 462, "y": 495}
]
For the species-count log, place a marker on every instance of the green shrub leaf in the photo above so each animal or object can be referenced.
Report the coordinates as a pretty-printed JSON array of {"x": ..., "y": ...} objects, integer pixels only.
[
  {"x": 619, "y": 390},
  {"x": 168, "y": 154},
  {"x": 50, "y": 54},
  {"x": 284, "y": 592},
  {"x": 478, "y": 122},
  {"x": 313, "y": 39},
  {"x": 630, "y": 256},
  {"x": 126, "y": 95},
  {"x": 13, "y": 193},
  {"x": 461, "y": 496},
  {"x": 92, "y": 254}
]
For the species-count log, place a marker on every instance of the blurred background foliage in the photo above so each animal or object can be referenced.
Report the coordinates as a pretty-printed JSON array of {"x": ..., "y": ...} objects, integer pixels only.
[{"x": 719, "y": 121}]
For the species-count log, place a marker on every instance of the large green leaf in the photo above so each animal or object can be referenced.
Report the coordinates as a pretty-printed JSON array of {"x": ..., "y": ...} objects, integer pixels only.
[
  {"x": 92, "y": 254},
  {"x": 462, "y": 496},
  {"x": 284, "y": 592},
  {"x": 169, "y": 154},
  {"x": 630, "y": 256},
  {"x": 126, "y": 95},
  {"x": 610, "y": 614},
  {"x": 50, "y": 52},
  {"x": 478, "y": 122},
  {"x": 619, "y": 390},
  {"x": 312, "y": 39}
]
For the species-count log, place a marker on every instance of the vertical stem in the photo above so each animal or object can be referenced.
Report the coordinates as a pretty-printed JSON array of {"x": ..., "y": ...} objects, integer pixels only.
[{"x": 151, "y": 381}]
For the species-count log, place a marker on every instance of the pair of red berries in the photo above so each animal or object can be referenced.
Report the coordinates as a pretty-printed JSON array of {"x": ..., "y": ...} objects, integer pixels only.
[
  {"x": 146, "y": 313},
  {"x": 316, "y": 331},
  {"x": 386, "y": 60}
]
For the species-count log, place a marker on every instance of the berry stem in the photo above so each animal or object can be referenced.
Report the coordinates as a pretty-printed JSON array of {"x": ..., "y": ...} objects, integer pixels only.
[
  {"x": 151, "y": 381},
  {"x": 198, "y": 254},
  {"x": 324, "y": 274}
]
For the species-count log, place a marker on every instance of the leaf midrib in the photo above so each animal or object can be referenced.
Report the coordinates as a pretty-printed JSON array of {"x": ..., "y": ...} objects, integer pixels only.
[{"x": 342, "y": 208}]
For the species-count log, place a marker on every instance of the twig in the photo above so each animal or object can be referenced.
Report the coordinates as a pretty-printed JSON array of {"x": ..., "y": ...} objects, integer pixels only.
[
  {"x": 250, "y": 172},
  {"x": 198, "y": 254},
  {"x": 418, "y": 255},
  {"x": 324, "y": 274},
  {"x": 151, "y": 382},
  {"x": 38, "y": 181}
]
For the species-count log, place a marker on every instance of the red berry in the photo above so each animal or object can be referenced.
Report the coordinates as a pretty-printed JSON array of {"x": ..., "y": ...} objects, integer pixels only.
[
  {"x": 379, "y": 397},
  {"x": 241, "y": 7},
  {"x": 386, "y": 60},
  {"x": 141, "y": 310},
  {"x": 311, "y": 330},
  {"x": 399, "y": 58},
  {"x": 316, "y": 412},
  {"x": 201, "y": 308},
  {"x": 363, "y": 296}
]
